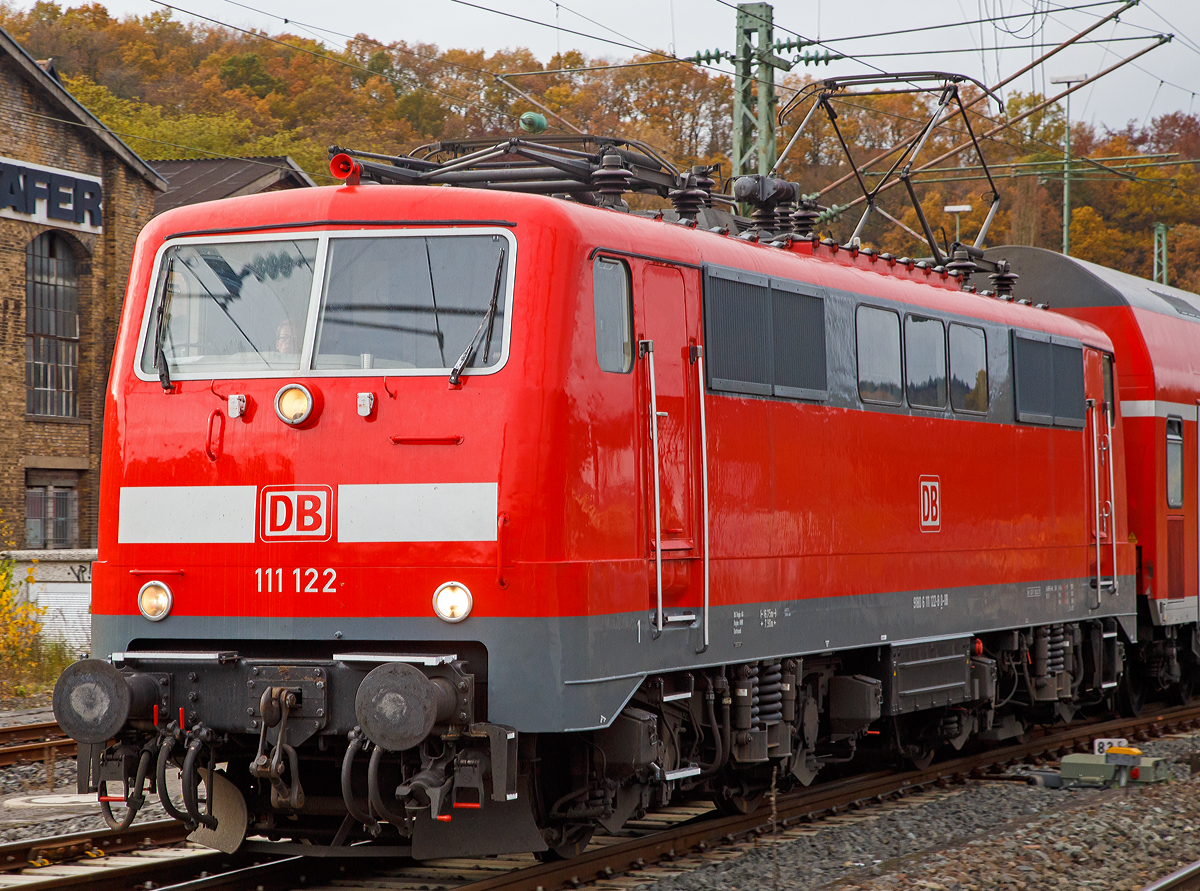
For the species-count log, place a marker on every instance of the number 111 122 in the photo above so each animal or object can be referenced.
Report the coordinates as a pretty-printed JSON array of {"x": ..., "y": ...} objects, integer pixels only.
[{"x": 307, "y": 581}]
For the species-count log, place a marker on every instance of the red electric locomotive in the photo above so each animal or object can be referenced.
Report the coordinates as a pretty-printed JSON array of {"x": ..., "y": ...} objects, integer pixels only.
[{"x": 463, "y": 520}]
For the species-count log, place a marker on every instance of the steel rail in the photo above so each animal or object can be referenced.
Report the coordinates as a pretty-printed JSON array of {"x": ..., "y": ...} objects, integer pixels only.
[
  {"x": 812, "y": 803},
  {"x": 20, "y": 855},
  {"x": 1185, "y": 879},
  {"x": 22, "y": 743},
  {"x": 240, "y": 871}
]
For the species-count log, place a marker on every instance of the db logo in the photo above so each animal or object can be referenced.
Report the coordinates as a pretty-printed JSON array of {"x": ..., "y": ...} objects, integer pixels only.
[
  {"x": 931, "y": 504},
  {"x": 295, "y": 513}
]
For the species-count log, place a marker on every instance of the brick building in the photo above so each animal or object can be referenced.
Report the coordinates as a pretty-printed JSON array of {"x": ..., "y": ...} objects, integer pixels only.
[{"x": 73, "y": 198}]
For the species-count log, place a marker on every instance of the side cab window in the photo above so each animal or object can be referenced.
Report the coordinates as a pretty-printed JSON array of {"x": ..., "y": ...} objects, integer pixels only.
[{"x": 613, "y": 305}]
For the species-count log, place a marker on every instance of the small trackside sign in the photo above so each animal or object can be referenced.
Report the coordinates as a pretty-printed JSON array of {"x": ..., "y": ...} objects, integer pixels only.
[
  {"x": 295, "y": 513},
  {"x": 931, "y": 504}
]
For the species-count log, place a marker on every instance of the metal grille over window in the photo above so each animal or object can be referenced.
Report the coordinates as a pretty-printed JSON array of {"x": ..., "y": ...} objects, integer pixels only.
[
  {"x": 968, "y": 369},
  {"x": 1049, "y": 382},
  {"x": 51, "y": 517},
  {"x": 51, "y": 328},
  {"x": 1174, "y": 462},
  {"x": 925, "y": 362},
  {"x": 764, "y": 336},
  {"x": 611, "y": 295},
  {"x": 878, "y": 334}
]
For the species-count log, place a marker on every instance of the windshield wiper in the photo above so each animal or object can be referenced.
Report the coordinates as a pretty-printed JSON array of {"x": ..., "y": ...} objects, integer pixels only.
[
  {"x": 488, "y": 319},
  {"x": 160, "y": 330}
]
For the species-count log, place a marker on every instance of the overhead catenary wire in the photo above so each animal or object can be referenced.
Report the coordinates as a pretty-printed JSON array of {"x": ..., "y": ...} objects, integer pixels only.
[
  {"x": 328, "y": 58},
  {"x": 1125, "y": 5},
  {"x": 668, "y": 56},
  {"x": 916, "y": 29},
  {"x": 959, "y": 149},
  {"x": 102, "y": 127}
]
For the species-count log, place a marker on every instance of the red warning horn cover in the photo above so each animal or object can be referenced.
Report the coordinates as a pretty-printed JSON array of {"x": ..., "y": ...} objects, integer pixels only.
[{"x": 342, "y": 166}]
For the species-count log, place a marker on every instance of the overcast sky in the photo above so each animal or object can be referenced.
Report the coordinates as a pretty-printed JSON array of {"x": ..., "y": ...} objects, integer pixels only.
[{"x": 1165, "y": 79}]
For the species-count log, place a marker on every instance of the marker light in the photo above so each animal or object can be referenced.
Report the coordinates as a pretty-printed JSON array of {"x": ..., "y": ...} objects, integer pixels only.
[
  {"x": 452, "y": 602},
  {"x": 154, "y": 600},
  {"x": 293, "y": 404}
]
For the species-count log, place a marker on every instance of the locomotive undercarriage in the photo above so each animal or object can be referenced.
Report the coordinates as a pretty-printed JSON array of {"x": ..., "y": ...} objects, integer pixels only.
[{"x": 409, "y": 762}]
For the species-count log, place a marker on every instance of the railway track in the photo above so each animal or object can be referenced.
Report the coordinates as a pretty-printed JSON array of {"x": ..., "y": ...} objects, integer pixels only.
[
  {"x": 665, "y": 842},
  {"x": 1186, "y": 879},
  {"x": 41, "y": 741}
]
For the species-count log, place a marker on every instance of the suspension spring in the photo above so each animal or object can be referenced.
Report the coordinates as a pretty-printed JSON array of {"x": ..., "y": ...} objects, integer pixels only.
[{"x": 770, "y": 692}]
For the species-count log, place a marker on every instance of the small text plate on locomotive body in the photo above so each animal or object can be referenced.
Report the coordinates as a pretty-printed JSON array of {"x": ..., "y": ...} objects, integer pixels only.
[
  {"x": 938, "y": 600},
  {"x": 931, "y": 504}
]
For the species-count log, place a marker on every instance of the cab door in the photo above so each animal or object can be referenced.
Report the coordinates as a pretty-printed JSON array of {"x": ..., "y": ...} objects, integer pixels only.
[
  {"x": 666, "y": 313},
  {"x": 1097, "y": 371}
]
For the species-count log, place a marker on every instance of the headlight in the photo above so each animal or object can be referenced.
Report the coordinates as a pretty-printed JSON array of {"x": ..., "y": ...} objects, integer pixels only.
[
  {"x": 452, "y": 602},
  {"x": 293, "y": 404},
  {"x": 154, "y": 600}
]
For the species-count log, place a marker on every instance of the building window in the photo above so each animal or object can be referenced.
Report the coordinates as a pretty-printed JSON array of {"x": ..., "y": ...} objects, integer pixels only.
[
  {"x": 51, "y": 510},
  {"x": 51, "y": 328}
]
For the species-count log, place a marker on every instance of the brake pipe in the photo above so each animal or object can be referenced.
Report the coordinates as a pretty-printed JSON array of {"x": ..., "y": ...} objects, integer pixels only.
[
  {"x": 356, "y": 743},
  {"x": 164, "y": 757}
]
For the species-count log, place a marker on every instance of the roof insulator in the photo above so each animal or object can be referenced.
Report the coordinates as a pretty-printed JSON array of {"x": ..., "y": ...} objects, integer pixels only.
[
  {"x": 687, "y": 202},
  {"x": 703, "y": 174},
  {"x": 1004, "y": 279},
  {"x": 806, "y": 216},
  {"x": 1041, "y": 306},
  {"x": 611, "y": 178},
  {"x": 962, "y": 264}
]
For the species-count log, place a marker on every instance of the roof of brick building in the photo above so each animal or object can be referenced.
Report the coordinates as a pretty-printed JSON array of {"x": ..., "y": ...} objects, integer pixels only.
[
  {"x": 208, "y": 179},
  {"x": 74, "y": 112}
]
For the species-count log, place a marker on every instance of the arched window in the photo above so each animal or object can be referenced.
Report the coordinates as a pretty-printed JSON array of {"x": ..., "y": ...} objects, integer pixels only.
[{"x": 51, "y": 328}]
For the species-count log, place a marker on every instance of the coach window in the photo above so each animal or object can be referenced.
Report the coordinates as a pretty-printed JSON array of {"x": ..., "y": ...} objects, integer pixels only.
[
  {"x": 1174, "y": 462},
  {"x": 611, "y": 298},
  {"x": 51, "y": 328},
  {"x": 878, "y": 333},
  {"x": 968, "y": 369},
  {"x": 925, "y": 362}
]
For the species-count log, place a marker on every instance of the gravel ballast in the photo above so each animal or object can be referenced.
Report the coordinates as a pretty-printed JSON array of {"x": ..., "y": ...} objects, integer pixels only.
[{"x": 977, "y": 837}]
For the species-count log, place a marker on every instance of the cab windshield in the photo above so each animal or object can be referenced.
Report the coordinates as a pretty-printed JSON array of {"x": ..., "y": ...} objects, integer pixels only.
[
  {"x": 405, "y": 302},
  {"x": 239, "y": 307}
]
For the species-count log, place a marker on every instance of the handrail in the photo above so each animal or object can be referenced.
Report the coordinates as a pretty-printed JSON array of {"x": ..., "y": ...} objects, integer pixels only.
[
  {"x": 1091, "y": 407},
  {"x": 699, "y": 354},
  {"x": 1112, "y": 497},
  {"x": 646, "y": 348}
]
